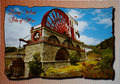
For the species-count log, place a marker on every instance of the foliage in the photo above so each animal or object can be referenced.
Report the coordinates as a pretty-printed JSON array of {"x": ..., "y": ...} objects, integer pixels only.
[
  {"x": 21, "y": 49},
  {"x": 7, "y": 62},
  {"x": 107, "y": 43},
  {"x": 82, "y": 43},
  {"x": 92, "y": 71},
  {"x": 93, "y": 56},
  {"x": 89, "y": 52},
  {"x": 36, "y": 65},
  {"x": 74, "y": 58},
  {"x": 107, "y": 57},
  {"x": 10, "y": 49},
  {"x": 36, "y": 56},
  {"x": 49, "y": 71},
  {"x": 69, "y": 68},
  {"x": 97, "y": 51},
  {"x": 87, "y": 69}
]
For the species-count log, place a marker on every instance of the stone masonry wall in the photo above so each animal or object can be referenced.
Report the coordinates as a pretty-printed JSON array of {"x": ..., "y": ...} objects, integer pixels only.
[
  {"x": 48, "y": 33},
  {"x": 32, "y": 49},
  {"x": 29, "y": 51},
  {"x": 48, "y": 51}
]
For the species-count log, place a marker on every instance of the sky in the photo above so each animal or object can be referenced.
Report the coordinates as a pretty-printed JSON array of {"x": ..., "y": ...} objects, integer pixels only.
[{"x": 94, "y": 25}]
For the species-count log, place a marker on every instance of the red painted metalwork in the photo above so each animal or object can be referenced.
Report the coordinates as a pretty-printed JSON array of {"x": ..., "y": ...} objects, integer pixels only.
[
  {"x": 72, "y": 32},
  {"x": 56, "y": 20},
  {"x": 37, "y": 38}
]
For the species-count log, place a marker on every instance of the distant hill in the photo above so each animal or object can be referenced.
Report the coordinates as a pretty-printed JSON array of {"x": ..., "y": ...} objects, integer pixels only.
[{"x": 107, "y": 43}]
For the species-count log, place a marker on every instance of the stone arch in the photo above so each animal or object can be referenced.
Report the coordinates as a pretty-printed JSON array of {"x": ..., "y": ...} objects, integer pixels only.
[
  {"x": 62, "y": 54},
  {"x": 53, "y": 39},
  {"x": 68, "y": 43},
  {"x": 78, "y": 47}
]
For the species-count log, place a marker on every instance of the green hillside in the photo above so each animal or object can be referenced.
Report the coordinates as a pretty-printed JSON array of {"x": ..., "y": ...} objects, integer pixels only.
[{"x": 107, "y": 43}]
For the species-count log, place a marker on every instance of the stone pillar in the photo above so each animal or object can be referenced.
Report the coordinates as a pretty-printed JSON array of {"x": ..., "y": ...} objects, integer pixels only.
[{"x": 26, "y": 72}]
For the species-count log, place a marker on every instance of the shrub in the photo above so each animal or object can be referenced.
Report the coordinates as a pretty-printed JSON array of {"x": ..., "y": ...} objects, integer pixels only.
[
  {"x": 107, "y": 57},
  {"x": 49, "y": 71},
  {"x": 90, "y": 71},
  {"x": 74, "y": 58},
  {"x": 35, "y": 66},
  {"x": 10, "y": 49},
  {"x": 97, "y": 51}
]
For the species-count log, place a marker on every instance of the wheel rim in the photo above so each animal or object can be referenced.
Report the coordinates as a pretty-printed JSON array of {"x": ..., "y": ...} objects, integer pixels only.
[{"x": 56, "y": 20}]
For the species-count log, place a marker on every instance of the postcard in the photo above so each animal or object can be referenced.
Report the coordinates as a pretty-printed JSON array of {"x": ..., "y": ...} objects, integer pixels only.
[{"x": 59, "y": 43}]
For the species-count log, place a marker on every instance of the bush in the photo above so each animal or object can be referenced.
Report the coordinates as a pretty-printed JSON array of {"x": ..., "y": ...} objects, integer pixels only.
[
  {"x": 74, "y": 58},
  {"x": 49, "y": 71},
  {"x": 10, "y": 49},
  {"x": 35, "y": 66},
  {"x": 88, "y": 53},
  {"x": 107, "y": 57},
  {"x": 91, "y": 71},
  {"x": 97, "y": 51}
]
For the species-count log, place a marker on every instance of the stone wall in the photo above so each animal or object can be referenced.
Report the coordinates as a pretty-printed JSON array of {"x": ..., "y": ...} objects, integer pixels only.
[
  {"x": 31, "y": 49},
  {"x": 48, "y": 51},
  {"x": 48, "y": 33}
]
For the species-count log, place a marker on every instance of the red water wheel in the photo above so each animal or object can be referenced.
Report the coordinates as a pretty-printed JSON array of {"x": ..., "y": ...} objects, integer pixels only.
[{"x": 56, "y": 20}]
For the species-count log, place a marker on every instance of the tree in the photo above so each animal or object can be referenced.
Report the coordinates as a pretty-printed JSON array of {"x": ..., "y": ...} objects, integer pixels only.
[
  {"x": 97, "y": 51},
  {"x": 36, "y": 65},
  {"x": 107, "y": 57},
  {"x": 10, "y": 49},
  {"x": 74, "y": 58}
]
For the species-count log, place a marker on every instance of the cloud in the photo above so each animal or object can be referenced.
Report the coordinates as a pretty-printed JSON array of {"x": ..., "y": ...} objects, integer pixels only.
[
  {"x": 106, "y": 21},
  {"x": 82, "y": 25},
  {"x": 93, "y": 28},
  {"x": 17, "y": 9},
  {"x": 96, "y": 11},
  {"x": 89, "y": 40},
  {"x": 14, "y": 31},
  {"x": 96, "y": 18},
  {"x": 76, "y": 13}
]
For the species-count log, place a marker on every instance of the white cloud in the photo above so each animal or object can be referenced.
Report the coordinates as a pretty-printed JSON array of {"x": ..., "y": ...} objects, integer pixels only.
[
  {"x": 89, "y": 40},
  {"x": 76, "y": 13},
  {"x": 93, "y": 28},
  {"x": 17, "y": 9},
  {"x": 96, "y": 18},
  {"x": 106, "y": 21},
  {"x": 82, "y": 25},
  {"x": 96, "y": 11},
  {"x": 15, "y": 30}
]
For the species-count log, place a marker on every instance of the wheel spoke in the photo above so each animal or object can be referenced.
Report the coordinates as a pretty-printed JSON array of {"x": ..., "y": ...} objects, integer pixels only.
[
  {"x": 57, "y": 20},
  {"x": 53, "y": 16},
  {"x": 50, "y": 24}
]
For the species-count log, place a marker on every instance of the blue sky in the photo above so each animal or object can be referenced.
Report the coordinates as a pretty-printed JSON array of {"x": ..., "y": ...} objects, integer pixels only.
[{"x": 94, "y": 25}]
